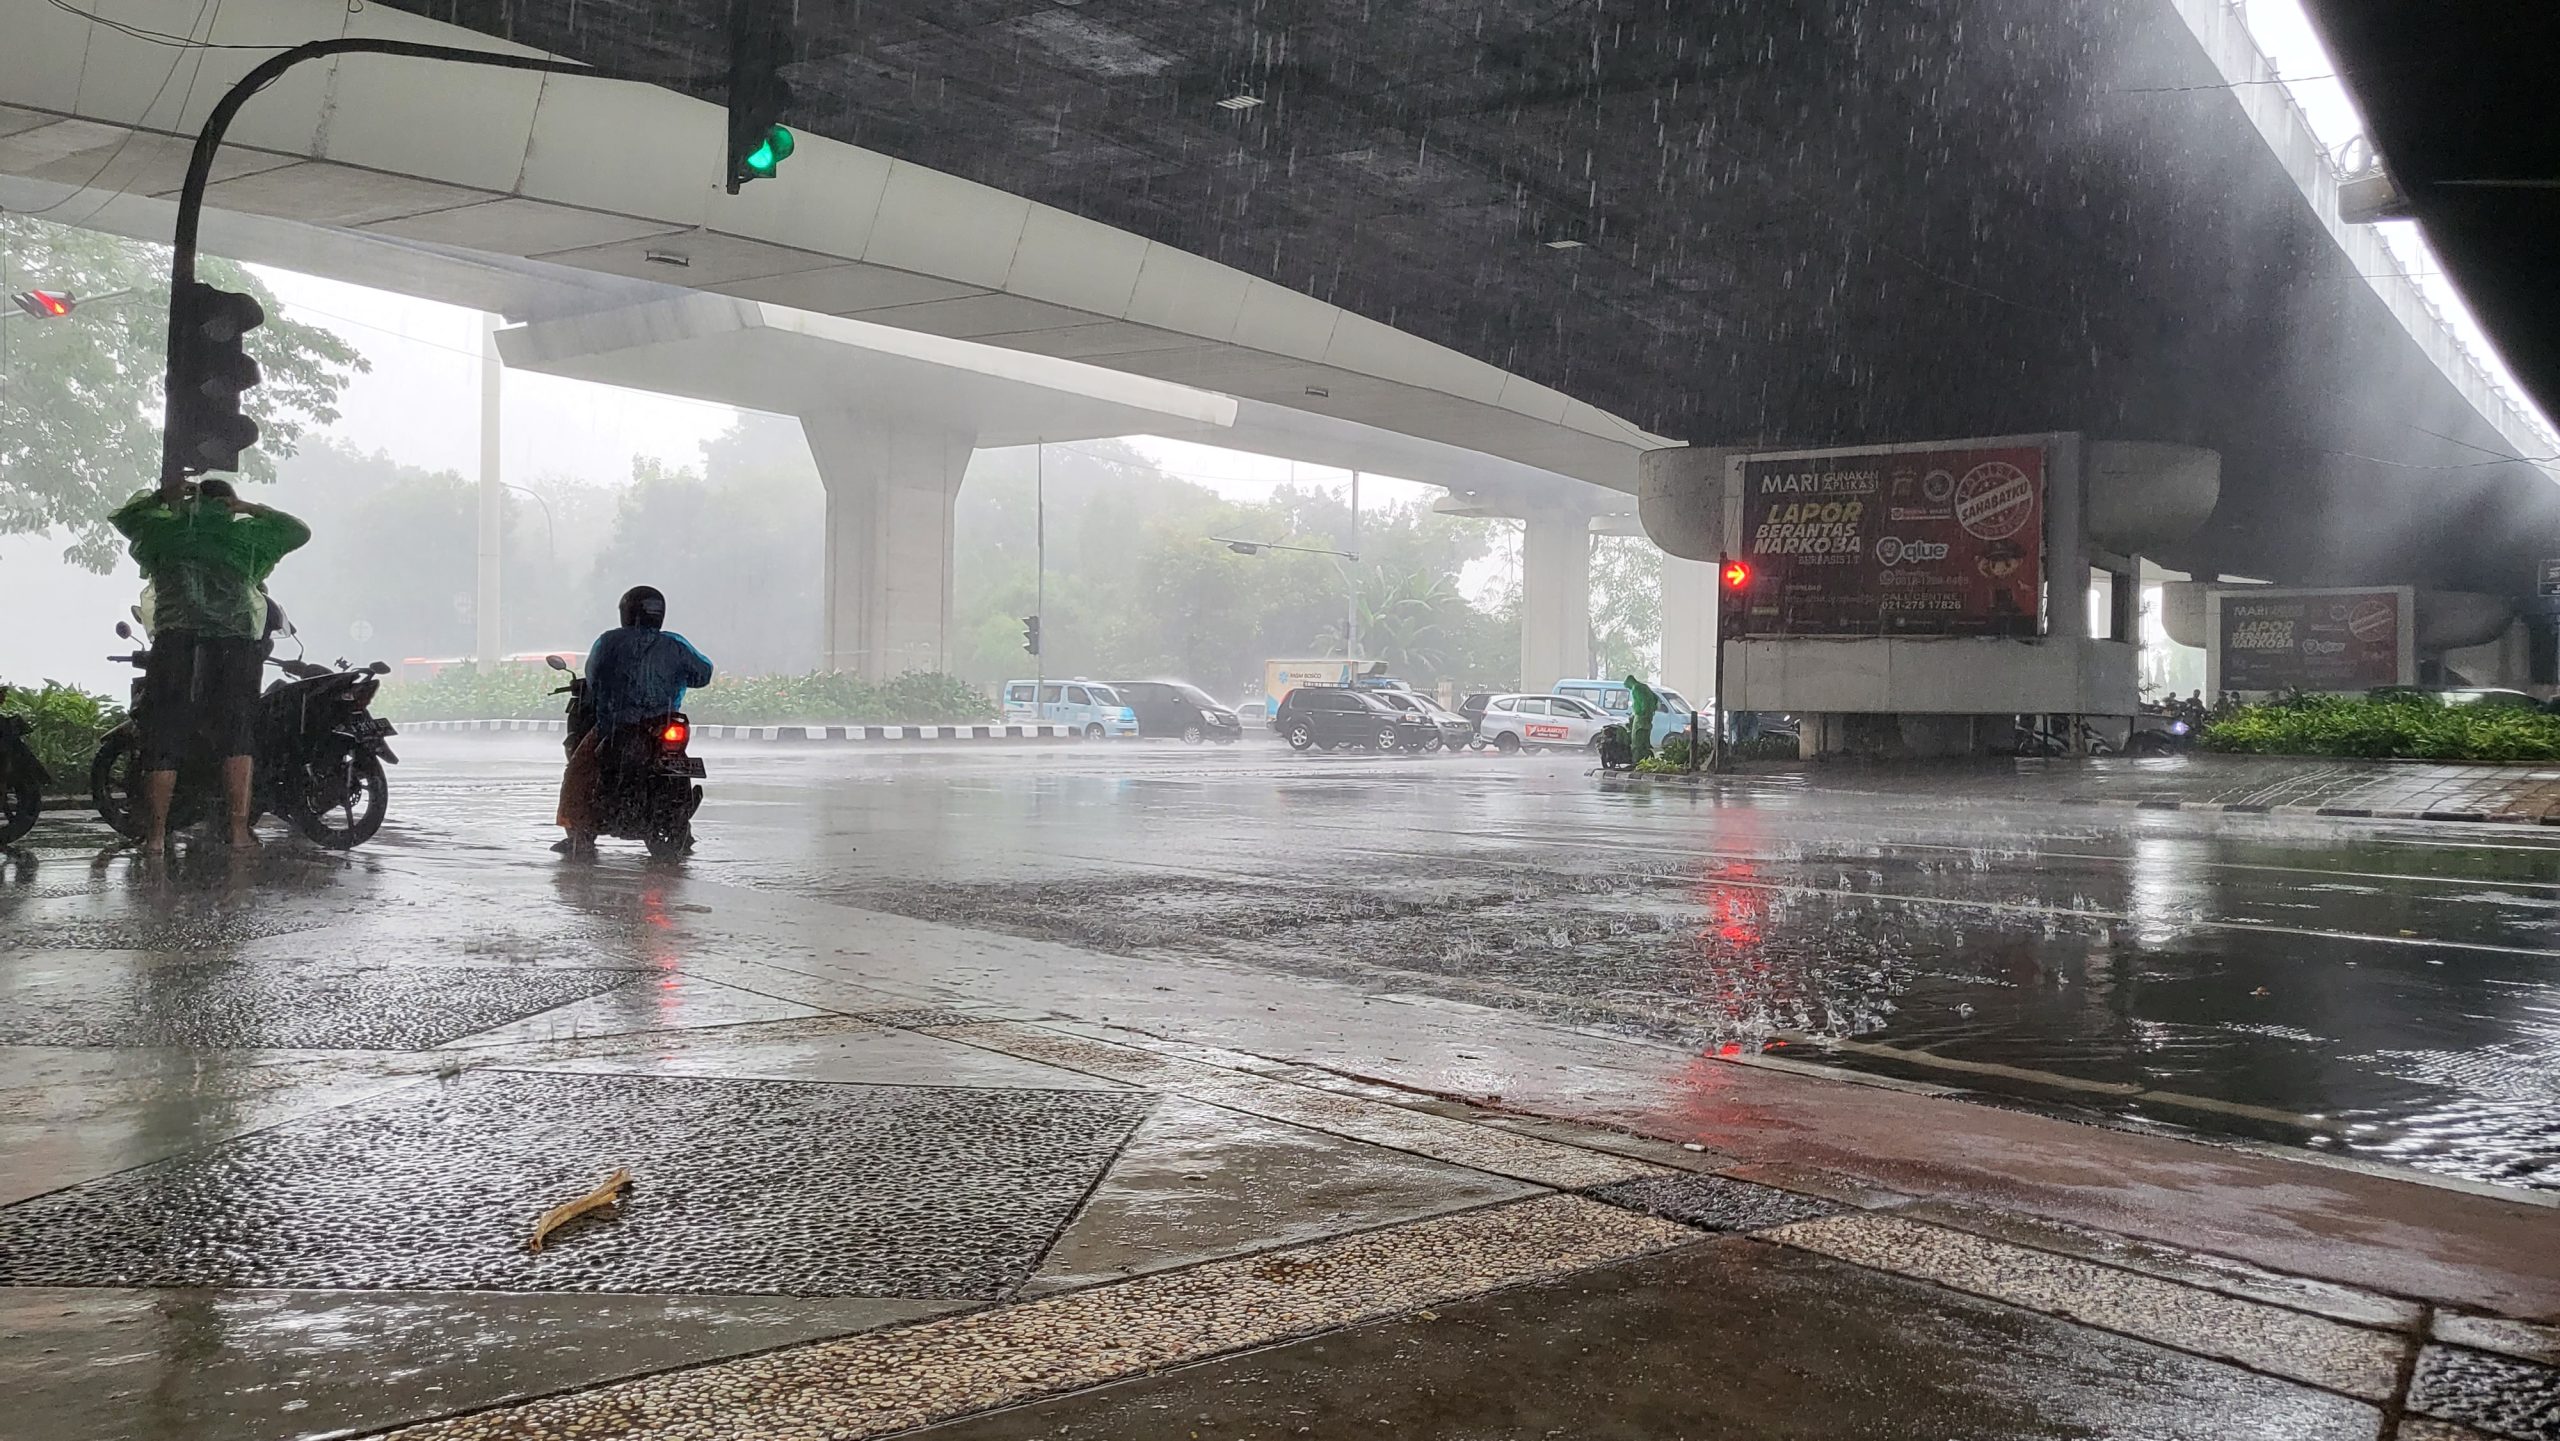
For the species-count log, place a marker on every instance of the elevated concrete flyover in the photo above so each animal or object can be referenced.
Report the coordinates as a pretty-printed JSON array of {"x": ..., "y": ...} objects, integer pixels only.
[{"x": 1557, "y": 238}]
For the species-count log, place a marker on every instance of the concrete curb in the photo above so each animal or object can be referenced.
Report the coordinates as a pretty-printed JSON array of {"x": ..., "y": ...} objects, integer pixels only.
[
  {"x": 840, "y": 734},
  {"x": 2360, "y": 813}
]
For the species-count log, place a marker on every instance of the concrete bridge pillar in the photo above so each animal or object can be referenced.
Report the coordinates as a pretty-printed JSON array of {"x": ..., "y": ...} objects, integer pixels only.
[
  {"x": 890, "y": 493},
  {"x": 1555, "y": 596},
  {"x": 1689, "y": 597}
]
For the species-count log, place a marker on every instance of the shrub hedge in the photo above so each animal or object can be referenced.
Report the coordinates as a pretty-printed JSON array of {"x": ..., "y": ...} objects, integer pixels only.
[
  {"x": 66, "y": 725},
  {"x": 2419, "y": 726},
  {"x": 460, "y": 692}
]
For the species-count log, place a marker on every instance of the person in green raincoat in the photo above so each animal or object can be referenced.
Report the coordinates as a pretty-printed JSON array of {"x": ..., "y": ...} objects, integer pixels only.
[
  {"x": 1640, "y": 721},
  {"x": 205, "y": 552}
]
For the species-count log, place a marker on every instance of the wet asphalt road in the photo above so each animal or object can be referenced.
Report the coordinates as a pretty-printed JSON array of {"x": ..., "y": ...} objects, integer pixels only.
[{"x": 2390, "y": 991}]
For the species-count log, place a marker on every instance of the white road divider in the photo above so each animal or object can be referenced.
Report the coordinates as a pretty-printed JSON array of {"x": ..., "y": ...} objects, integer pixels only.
[{"x": 785, "y": 733}]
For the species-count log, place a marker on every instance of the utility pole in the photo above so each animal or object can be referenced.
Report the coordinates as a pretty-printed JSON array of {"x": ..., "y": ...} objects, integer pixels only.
[
  {"x": 1040, "y": 570},
  {"x": 492, "y": 500},
  {"x": 1351, "y": 605}
]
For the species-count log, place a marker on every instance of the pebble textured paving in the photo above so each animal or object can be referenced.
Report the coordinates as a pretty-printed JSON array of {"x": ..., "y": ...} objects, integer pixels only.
[
  {"x": 2501, "y": 1395},
  {"x": 2495, "y": 1333},
  {"x": 1380, "y": 1123},
  {"x": 280, "y": 1004},
  {"x": 1713, "y": 1203},
  {"x": 740, "y": 1187},
  {"x": 2331, "y": 1354},
  {"x": 893, "y": 1380}
]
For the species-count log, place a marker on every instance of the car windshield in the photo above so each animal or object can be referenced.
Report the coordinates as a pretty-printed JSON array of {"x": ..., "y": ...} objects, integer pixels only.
[
  {"x": 1104, "y": 695},
  {"x": 1195, "y": 695},
  {"x": 1675, "y": 702}
]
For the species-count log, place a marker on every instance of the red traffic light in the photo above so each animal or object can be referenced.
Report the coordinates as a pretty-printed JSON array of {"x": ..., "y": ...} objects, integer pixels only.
[
  {"x": 675, "y": 733},
  {"x": 45, "y": 304},
  {"x": 1737, "y": 575}
]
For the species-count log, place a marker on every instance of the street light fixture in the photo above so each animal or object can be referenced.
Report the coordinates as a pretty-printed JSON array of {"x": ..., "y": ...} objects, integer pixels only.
[{"x": 1351, "y": 607}]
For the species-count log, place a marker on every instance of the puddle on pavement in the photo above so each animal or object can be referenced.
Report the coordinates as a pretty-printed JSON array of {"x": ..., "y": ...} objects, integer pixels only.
[{"x": 2373, "y": 1041}]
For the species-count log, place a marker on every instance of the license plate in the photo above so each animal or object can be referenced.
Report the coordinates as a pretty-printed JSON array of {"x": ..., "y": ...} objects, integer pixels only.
[
  {"x": 369, "y": 727},
  {"x": 686, "y": 766}
]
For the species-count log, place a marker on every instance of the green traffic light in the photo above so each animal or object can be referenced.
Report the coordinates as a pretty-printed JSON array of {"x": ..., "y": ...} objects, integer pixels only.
[{"x": 768, "y": 157}]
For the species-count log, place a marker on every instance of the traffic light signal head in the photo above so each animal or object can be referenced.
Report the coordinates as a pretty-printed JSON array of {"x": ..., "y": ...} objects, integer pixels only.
[
  {"x": 1736, "y": 576},
  {"x": 209, "y": 374},
  {"x": 759, "y": 46},
  {"x": 45, "y": 304},
  {"x": 1031, "y": 634}
]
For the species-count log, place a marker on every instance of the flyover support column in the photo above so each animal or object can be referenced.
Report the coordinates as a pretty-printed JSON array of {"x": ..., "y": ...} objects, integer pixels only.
[
  {"x": 1689, "y": 598},
  {"x": 1555, "y": 597},
  {"x": 890, "y": 493}
]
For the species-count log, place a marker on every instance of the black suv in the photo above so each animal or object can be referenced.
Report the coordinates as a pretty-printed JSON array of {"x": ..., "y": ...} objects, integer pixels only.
[
  {"x": 1172, "y": 708},
  {"x": 1325, "y": 716}
]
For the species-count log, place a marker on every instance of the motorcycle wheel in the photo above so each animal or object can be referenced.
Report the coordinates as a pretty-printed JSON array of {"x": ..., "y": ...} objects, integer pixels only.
[
  {"x": 112, "y": 781},
  {"x": 338, "y": 800},
  {"x": 666, "y": 842},
  {"x": 25, "y": 800}
]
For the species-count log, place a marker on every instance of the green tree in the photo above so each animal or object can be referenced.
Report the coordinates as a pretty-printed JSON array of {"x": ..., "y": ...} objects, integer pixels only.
[
  {"x": 81, "y": 396},
  {"x": 1626, "y": 605}
]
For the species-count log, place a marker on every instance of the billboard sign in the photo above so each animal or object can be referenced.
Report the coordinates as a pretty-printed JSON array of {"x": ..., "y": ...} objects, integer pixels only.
[
  {"x": 2344, "y": 639},
  {"x": 1944, "y": 541}
]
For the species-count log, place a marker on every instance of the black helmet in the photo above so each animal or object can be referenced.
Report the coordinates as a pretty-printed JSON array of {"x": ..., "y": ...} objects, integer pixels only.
[{"x": 644, "y": 607}]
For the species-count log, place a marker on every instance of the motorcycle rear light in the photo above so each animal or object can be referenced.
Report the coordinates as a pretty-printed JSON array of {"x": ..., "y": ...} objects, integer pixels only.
[{"x": 674, "y": 734}]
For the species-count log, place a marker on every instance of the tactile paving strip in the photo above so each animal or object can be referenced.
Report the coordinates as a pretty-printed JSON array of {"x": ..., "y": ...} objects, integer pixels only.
[
  {"x": 910, "y": 1376},
  {"x": 740, "y": 1187},
  {"x": 278, "y": 1004}
]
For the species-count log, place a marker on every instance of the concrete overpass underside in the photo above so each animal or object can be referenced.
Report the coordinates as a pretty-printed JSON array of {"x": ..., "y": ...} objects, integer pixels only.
[{"x": 1732, "y": 224}]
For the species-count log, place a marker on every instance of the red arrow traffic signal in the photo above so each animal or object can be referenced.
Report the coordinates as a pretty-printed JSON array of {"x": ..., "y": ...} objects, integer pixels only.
[{"x": 1737, "y": 575}]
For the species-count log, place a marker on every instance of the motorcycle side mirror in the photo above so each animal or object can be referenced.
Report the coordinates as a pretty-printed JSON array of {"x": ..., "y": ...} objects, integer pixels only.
[
  {"x": 123, "y": 631},
  {"x": 555, "y": 662},
  {"x": 380, "y": 667}
]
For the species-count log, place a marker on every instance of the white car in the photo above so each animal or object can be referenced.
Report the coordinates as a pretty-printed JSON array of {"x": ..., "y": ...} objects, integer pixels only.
[{"x": 1529, "y": 722}]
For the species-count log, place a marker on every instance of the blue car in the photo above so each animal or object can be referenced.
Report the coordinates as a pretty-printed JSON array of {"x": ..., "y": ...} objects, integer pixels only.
[{"x": 1082, "y": 705}]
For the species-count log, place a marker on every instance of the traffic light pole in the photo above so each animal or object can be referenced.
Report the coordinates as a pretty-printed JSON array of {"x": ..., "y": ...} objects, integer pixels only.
[
  {"x": 182, "y": 259},
  {"x": 1720, "y": 758}
]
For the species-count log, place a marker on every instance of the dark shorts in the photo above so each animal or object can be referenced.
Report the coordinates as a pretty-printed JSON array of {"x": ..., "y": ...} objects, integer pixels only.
[{"x": 198, "y": 692}]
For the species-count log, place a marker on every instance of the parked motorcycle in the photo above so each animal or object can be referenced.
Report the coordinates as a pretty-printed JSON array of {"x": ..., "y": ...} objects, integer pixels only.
[
  {"x": 22, "y": 778},
  {"x": 318, "y": 759},
  {"x": 645, "y": 788}
]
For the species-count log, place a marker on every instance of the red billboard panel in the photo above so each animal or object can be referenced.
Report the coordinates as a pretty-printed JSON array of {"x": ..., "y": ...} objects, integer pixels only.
[
  {"x": 2346, "y": 640},
  {"x": 1913, "y": 542}
]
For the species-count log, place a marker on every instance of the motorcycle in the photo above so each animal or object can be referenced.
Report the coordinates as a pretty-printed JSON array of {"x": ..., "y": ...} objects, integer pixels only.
[
  {"x": 2165, "y": 730},
  {"x": 645, "y": 787},
  {"x": 318, "y": 756},
  {"x": 22, "y": 778}
]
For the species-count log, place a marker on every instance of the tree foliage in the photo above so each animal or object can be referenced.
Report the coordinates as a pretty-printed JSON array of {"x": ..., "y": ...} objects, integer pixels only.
[{"x": 81, "y": 396}]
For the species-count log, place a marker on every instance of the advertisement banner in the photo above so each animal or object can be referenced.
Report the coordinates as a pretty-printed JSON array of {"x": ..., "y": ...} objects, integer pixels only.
[
  {"x": 1913, "y": 542},
  {"x": 2345, "y": 640}
]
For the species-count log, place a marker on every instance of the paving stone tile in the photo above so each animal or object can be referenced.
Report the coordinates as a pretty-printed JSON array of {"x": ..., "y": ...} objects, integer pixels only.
[
  {"x": 894, "y": 1380},
  {"x": 1713, "y": 1203},
  {"x": 1381, "y": 1123},
  {"x": 2501, "y": 1395},
  {"x": 2523, "y": 1339},
  {"x": 2213, "y": 1273},
  {"x": 740, "y": 1187},
  {"x": 2419, "y": 1428},
  {"x": 2348, "y": 1359},
  {"x": 1464, "y": 1142},
  {"x": 275, "y": 1004}
]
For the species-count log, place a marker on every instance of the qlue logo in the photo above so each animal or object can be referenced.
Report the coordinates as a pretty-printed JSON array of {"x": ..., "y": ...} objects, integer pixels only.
[{"x": 1894, "y": 550}]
